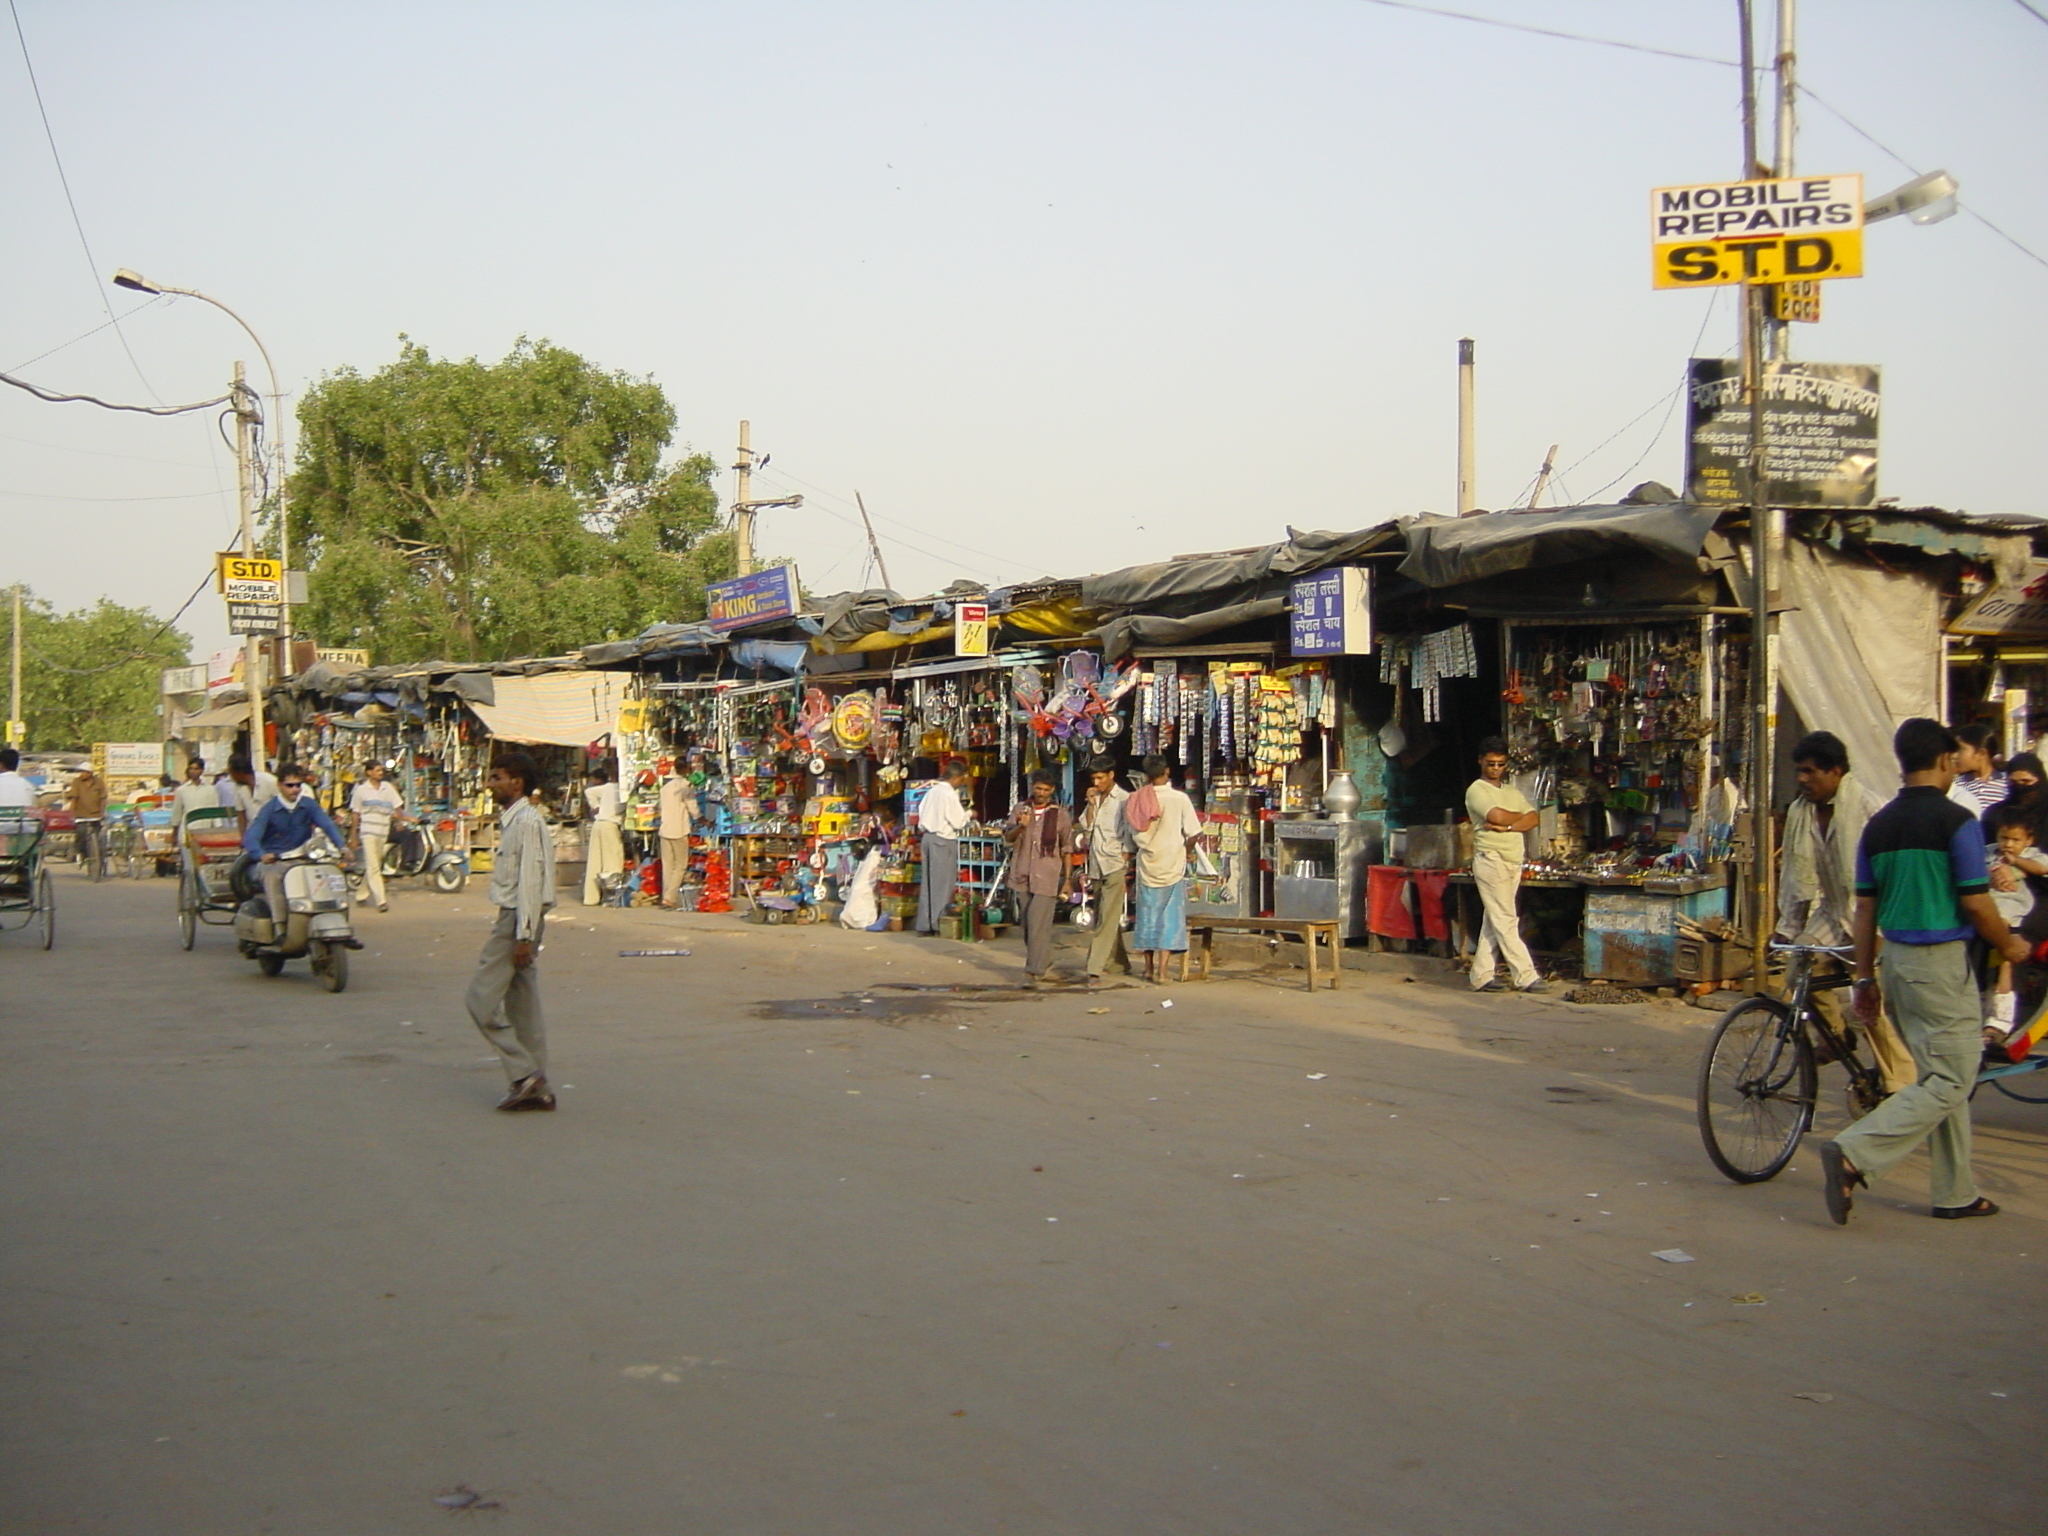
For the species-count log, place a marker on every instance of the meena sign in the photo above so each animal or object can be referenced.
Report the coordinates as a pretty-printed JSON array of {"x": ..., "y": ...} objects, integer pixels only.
[{"x": 1798, "y": 229}]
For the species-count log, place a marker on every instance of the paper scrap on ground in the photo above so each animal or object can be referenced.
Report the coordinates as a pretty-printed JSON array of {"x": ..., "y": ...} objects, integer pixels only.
[
  {"x": 1816, "y": 1397},
  {"x": 1747, "y": 1299},
  {"x": 1317, "y": 1077},
  {"x": 649, "y": 954},
  {"x": 1672, "y": 1255}
]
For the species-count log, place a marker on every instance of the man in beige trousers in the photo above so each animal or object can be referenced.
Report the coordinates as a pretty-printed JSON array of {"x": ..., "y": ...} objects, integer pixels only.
[{"x": 1500, "y": 815}]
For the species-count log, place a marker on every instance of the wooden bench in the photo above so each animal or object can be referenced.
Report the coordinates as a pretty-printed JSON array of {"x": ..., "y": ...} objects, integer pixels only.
[{"x": 1313, "y": 933}]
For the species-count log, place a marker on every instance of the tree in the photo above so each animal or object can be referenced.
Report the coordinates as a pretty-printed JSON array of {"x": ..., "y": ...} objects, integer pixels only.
[
  {"x": 94, "y": 674},
  {"x": 479, "y": 511}
]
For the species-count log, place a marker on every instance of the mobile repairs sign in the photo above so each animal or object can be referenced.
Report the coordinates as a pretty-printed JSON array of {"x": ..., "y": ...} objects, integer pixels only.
[
  {"x": 1800, "y": 229},
  {"x": 752, "y": 599}
]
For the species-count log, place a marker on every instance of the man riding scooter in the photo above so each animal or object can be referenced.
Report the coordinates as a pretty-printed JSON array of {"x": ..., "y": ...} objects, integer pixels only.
[{"x": 283, "y": 825}]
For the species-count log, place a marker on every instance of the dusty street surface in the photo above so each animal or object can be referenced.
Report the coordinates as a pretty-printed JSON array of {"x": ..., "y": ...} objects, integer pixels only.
[{"x": 805, "y": 1253}]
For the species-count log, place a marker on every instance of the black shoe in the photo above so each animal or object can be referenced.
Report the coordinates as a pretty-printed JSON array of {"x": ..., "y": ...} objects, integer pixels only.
[
  {"x": 1978, "y": 1207},
  {"x": 1837, "y": 1179}
]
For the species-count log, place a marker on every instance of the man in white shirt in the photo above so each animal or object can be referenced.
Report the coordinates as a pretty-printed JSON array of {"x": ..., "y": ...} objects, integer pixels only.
[
  {"x": 16, "y": 792},
  {"x": 941, "y": 818},
  {"x": 252, "y": 787},
  {"x": 195, "y": 794},
  {"x": 606, "y": 854},
  {"x": 504, "y": 996},
  {"x": 1164, "y": 828},
  {"x": 678, "y": 816},
  {"x": 1500, "y": 815},
  {"x": 1107, "y": 842},
  {"x": 375, "y": 805}
]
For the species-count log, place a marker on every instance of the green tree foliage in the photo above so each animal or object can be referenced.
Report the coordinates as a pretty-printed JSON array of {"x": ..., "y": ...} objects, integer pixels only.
[
  {"x": 93, "y": 674},
  {"x": 479, "y": 511}
]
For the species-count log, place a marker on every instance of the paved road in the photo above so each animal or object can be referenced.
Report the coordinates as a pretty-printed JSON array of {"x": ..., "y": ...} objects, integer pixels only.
[{"x": 799, "y": 1257}]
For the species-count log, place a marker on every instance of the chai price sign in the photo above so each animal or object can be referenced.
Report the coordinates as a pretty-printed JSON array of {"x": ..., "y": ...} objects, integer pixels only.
[
  {"x": 1798, "y": 229},
  {"x": 1332, "y": 613},
  {"x": 970, "y": 629}
]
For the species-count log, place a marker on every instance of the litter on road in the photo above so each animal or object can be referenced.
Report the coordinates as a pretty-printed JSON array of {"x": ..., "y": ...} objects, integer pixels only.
[
  {"x": 650, "y": 954},
  {"x": 1672, "y": 1255}
]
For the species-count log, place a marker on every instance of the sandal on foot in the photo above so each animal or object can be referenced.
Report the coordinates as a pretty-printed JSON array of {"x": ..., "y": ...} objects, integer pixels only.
[
  {"x": 1977, "y": 1207},
  {"x": 1838, "y": 1177}
]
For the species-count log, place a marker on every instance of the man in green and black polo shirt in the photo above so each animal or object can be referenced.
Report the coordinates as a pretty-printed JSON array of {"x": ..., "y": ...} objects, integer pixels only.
[{"x": 1921, "y": 882}]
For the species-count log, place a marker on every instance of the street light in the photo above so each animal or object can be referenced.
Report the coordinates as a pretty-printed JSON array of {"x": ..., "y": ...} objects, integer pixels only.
[
  {"x": 137, "y": 283},
  {"x": 1925, "y": 200}
]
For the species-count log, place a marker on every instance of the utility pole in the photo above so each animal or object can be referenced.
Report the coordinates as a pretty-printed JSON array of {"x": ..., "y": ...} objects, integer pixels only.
[
  {"x": 874, "y": 548},
  {"x": 246, "y": 415},
  {"x": 1785, "y": 64},
  {"x": 1763, "y": 669},
  {"x": 743, "y": 506},
  {"x": 16, "y": 736},
  {"x": 1468, "y": 496}
]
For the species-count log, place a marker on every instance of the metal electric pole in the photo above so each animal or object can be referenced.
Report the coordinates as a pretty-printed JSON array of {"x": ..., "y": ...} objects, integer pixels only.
[
  {"x": 246, "y": 413},
  {"x": 17, "y": 737},
  {"x": 1468, "y": 450}
]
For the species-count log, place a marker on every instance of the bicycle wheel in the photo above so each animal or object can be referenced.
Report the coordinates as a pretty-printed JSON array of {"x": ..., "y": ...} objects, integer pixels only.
[
  {"x": 1756, "y": 1090},
  {"x": 46, "y": 908}
]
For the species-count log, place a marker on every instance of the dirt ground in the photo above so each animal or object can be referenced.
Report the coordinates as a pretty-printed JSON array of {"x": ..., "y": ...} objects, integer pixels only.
[{"x": 818, "y": 1243}]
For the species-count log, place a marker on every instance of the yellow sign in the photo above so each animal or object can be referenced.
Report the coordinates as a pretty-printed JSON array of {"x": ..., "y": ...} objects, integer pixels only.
[
  {"x": 970, "y": 629},
  {"x": 1795, "y": 301},
  {"x": 1799, "y": 229},
  {"x": 342, "y": 658},
  {"x": 234, "y": 567}
]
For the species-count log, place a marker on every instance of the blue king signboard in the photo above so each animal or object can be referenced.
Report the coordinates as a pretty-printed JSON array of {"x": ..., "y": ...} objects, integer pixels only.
[
  {"x": 754, "y": 599},
  {"x": 1332, "y": 612}
]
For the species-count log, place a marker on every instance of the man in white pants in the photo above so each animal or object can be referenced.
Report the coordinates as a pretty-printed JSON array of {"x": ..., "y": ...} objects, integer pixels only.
[
  {"x": 376, "y": 804},
  {"x": 1500, "y": 815},
  {"x": 606, "y": 854}
]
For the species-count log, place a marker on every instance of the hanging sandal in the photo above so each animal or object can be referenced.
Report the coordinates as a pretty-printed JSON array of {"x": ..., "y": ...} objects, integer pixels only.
[
  {"x": 1837, "y": 1179},
  {"x": 1977, "y": 1207}
]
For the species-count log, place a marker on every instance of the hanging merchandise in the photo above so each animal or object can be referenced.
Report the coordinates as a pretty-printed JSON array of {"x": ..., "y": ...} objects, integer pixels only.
[{"x": 853, "y": 722}]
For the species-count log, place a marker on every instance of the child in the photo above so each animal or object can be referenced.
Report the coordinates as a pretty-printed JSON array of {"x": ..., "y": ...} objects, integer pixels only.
[{"x": 2013, "y": 858}]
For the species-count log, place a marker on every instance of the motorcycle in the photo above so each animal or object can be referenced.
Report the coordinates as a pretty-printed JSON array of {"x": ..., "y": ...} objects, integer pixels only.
[
  {"x": 420, "y": 853},
  {"x": 316, "y": 920}
]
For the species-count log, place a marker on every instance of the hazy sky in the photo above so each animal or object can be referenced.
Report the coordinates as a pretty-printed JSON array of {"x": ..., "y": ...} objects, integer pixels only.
[{"x": 1058, "y": 287}]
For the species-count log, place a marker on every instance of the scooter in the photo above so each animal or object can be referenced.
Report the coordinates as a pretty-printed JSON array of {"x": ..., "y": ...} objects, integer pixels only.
[
  {"x": 419, "y": 854},
  {"x": 316, "y": 921}
]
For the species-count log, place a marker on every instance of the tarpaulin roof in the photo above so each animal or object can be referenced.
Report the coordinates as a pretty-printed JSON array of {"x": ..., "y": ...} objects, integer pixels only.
[
  {"x": 1449, "y": 551},
  {"x": 655, "y": 643},
  {"x": 562, "y": 709},
  {"x": 1145, "y": 586}
]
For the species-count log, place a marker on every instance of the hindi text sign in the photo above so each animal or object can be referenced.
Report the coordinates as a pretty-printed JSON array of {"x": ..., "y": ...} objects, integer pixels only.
[{"x": 1332, "y": 613}]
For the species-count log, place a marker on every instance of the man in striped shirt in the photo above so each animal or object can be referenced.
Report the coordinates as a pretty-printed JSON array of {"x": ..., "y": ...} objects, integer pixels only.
[
  {"x": 1921, "y": 882},
  {"x": 504, "y": 996}
]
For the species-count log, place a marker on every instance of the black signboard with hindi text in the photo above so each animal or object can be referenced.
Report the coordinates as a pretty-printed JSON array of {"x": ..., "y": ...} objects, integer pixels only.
[{"x": 1820, "y": 434}]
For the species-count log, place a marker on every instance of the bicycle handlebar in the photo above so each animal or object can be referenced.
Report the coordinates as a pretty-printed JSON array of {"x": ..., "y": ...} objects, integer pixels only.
[{"x": 1812, "y": 949}]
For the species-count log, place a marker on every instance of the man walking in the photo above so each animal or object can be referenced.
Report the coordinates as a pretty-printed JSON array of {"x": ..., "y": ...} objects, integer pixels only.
[
  {"x": 678, "y": 815},
  {"x": 249, "y": 788},
  {"x": 1921, "y": 882},
  {"x": 504, "y": 996},
  {"x": 941, "y": 818},
  {"x": 87, "y": 800},
  {"x": 1817, "y": 880},
  {"x": 1500, "y": 815},
  {"x": 1108, "y": 845},
  {"x": 376, "y": 804},
  {"x": 606, "y": 855},
  {"x": 1164, "y": 828},
  {"x": 1041, "y": 837}
]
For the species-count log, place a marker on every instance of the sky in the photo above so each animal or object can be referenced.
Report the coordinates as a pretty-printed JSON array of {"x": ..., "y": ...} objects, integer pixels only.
[{"x": 1056, "y": 288}]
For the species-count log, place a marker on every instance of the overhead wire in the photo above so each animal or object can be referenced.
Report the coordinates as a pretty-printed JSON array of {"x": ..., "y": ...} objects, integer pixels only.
[
  {"x": 133, "y": 656},
  {"x": 778, "y": 478},
  {"x": 88, "y": 335},
  {"x": 1552, "y": 32},
  {"x": 77, "y": 223},
  {"x": 55, "y": 398},
  {"x": 1870, "y": 138},
  {"x": 2038, "y": 15}
]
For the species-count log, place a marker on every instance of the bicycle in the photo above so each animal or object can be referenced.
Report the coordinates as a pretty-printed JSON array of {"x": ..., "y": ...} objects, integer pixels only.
[
  {"x": 89, "y": 837},
  {"x": 1760, "y": 1077}
]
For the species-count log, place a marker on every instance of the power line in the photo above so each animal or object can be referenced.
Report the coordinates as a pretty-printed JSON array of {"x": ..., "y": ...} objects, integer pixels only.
[
  {"x": 71, "y": 202},
  {"x": 1867, "y": 136},
  {"x": 147, "y": 410},
  {"x": 74, "y": 341},
  {"x": 1552, "y": 32},
  {"x": 67, "y": 496},
  {"x": 2040, "y": 16}
]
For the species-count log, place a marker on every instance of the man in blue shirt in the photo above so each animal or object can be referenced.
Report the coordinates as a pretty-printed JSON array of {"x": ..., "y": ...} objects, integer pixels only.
[{"x": 283, "y": 824}]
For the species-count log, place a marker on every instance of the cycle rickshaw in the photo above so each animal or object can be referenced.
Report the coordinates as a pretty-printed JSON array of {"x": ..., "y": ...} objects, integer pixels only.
[
  {"x": 26, "y": 896},
  {"x": 209, "y": 844}
]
